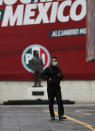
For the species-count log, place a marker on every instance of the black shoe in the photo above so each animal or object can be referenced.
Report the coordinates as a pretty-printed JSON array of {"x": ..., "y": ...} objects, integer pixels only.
[
  {"x": 62, "y": 118},
  {"x": 52, "y": 118}
]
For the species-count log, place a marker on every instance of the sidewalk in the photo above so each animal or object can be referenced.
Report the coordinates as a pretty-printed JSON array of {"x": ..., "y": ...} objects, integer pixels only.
[{"x": 36, "y": 118}]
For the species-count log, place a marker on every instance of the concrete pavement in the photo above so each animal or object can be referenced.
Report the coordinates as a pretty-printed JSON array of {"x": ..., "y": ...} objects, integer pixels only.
[{"x": 36, "y": 118}]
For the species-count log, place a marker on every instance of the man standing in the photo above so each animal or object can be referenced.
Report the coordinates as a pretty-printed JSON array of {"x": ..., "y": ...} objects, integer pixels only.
[
  {"x": 37, "y": 67},
  {"x": 53, "y": 76}
]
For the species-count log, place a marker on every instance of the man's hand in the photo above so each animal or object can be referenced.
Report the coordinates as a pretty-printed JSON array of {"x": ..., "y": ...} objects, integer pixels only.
[
  {"x": 50, "y": 79},
  {"x": 59, "y": 74}
]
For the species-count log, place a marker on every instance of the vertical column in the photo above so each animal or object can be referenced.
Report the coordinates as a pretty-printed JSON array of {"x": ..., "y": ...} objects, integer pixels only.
[{"x": 91, "y": 30}]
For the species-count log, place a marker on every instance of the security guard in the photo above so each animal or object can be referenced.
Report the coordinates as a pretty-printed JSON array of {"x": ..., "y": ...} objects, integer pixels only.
[{"x": 53, "y": 76}]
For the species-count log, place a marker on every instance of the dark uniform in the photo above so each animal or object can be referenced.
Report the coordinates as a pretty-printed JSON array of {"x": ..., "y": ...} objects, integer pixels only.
[{"x": 53, "y": 88}]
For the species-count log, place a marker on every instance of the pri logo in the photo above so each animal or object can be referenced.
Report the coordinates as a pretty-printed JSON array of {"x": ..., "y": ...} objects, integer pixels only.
[{"x": 29, "y": 52}]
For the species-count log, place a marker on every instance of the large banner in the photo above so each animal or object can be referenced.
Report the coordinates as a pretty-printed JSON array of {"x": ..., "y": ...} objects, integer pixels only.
[{"x": 52, "y": 27}]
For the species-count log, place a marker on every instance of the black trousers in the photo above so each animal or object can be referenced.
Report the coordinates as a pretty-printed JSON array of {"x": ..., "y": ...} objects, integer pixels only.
[{"x": 55, "y": 93}]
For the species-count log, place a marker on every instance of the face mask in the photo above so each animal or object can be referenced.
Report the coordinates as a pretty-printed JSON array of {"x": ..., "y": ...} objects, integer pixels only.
[{"x": 55, "y": 63}]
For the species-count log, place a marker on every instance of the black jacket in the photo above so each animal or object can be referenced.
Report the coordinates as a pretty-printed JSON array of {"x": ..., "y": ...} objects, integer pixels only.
[{"x": 55, "y": 74}]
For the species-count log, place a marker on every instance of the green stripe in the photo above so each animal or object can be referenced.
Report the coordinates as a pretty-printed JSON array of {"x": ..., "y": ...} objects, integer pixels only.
[
  {"x": 32, "y": 0},
  {"x": 1, "y": 14}
]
